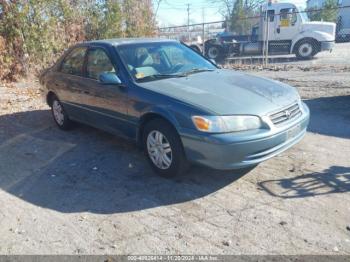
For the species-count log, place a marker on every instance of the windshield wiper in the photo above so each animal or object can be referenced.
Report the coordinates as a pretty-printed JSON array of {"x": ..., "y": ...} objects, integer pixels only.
[
  {"x": 197, "y": 70},
  {"x": 160, "y": 76}
]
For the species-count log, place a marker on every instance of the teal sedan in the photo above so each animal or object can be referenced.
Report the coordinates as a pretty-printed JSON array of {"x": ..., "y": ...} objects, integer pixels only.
[{"x": 180, "y": 107}]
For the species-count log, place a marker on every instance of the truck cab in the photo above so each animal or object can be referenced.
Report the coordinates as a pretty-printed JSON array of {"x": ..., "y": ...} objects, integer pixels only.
[
  {"x": 289, "y": 31},
  {"x": 284, "y": 30}
]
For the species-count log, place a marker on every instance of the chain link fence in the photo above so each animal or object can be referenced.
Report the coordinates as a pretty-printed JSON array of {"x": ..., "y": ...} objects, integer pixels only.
[{"x": 277, "y": 33}]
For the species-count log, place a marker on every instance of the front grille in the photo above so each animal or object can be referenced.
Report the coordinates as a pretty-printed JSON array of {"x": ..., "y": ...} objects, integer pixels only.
[{"x": 286, "y": 114}]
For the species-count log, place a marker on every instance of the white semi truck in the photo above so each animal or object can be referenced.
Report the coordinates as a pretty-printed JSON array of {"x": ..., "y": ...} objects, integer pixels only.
[{"x": 287, "y": 30}]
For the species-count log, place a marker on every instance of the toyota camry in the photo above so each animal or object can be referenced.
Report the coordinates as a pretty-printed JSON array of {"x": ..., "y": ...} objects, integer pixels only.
[{"x": 177, "y": 105}]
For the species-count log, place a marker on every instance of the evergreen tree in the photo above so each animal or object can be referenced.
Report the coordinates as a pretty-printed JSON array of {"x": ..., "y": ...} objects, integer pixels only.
[
  {"x": 327, "y": 13},
  {"x": 239, "y": 24}
]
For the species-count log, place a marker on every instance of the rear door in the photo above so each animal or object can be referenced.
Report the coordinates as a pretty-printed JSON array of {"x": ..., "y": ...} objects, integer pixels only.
[{"x": 67, "y": 83}]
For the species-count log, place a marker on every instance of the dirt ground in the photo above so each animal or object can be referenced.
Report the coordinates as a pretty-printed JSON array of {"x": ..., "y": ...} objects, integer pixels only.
[{"x": 88, "y": 192}]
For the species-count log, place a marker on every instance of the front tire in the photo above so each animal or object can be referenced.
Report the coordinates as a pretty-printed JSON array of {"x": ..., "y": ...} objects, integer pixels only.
[
  {"x": 163, "y": 148},
  {"x": 306, "y": 49},
  {"x": 59, "y": 115}
]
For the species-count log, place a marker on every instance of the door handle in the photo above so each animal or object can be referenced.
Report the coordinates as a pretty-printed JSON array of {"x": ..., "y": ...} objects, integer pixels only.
[{"x": 278, "y": 30}]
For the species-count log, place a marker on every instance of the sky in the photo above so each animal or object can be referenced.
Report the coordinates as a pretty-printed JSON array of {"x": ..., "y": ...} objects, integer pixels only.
[{"x": 174, "y": 12}]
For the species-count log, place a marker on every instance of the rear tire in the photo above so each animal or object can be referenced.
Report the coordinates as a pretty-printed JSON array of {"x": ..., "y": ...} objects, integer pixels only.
[
  {"x": 214, "y": 52},
  {"x": 163, "y": 148},
  {"x": 59, "y": 115}
]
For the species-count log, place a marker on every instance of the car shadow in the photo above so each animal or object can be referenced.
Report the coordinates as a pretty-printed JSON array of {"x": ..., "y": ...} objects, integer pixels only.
[
  {"x": 335, "y": 179},
  {"x": 87, "y": 170},
  {"x": 330, "y": 116}
]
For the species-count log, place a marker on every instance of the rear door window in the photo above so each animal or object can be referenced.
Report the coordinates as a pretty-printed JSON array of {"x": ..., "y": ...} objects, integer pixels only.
[{"x": 74, "y": 62}]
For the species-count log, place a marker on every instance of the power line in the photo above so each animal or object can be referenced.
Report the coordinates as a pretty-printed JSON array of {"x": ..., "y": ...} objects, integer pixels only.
[
  {"x": 195, "y": 11},
  {"x": 257, "y": 16},
  {"x": 183, "y": 6}
]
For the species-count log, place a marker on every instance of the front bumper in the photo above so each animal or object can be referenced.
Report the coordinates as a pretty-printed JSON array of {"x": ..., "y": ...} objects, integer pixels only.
[
  {"x": 327, "y": 46},
  {"x": 244, "y": 149}
]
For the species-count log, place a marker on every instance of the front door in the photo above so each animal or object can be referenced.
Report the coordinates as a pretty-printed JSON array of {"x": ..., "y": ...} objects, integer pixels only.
[
  {"x": 287, "y": 24},
  {"x": 106, "y": 105}
]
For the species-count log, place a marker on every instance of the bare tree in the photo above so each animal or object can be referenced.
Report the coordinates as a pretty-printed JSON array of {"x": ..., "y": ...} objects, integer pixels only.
[
  {"x": 237, "y": 12},
  {"x": 157, "y": 4},
  {"x": 227, "y": 5}
]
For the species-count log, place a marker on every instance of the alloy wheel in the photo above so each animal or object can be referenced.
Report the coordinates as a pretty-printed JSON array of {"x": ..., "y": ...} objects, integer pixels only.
[
  {"x": 159, "y": 149},
  {"x": 58, "y": 112}
]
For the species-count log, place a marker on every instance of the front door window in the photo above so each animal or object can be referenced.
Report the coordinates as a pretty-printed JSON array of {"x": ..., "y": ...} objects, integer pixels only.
[{"x": 97, "y": 63}]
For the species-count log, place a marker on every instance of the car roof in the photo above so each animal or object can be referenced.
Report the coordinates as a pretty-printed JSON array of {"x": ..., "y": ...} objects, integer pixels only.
[{"x": 125, "y": 41}]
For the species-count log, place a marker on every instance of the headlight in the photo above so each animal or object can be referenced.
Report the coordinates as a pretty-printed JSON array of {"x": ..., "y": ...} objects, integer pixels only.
[{"x": 225, "y": 124}]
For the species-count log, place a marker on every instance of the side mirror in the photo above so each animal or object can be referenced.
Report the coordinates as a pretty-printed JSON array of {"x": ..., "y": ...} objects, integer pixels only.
[{"x": 109, "y": 78}]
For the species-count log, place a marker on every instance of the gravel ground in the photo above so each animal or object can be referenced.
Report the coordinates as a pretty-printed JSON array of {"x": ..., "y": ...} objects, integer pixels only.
[{"x": 88, "y": 192}]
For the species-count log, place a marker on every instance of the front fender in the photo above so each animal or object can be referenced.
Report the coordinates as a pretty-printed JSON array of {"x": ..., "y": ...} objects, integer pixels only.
[
  {"x": 316, "y": 35},
  {"x": 162, "y": 112},
  {"x": 145, "y": 104}
]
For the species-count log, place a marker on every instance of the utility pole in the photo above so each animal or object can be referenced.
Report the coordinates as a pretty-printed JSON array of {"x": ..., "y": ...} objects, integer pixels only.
[
  {"x": 203, "y": 31},
  {"x": 188, "y": 22},
  {"x": 203, "y": 15}
]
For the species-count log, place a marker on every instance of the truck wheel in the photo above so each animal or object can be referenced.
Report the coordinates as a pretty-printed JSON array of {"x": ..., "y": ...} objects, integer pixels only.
[
  {"x": 213, "y": 52},
  {"x": 306, "y": 49}
]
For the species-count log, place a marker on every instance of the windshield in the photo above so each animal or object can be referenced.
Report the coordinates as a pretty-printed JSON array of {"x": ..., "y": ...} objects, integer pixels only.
[
  {"x": 304, "y": 17},
  {"x": 153, "y": 61}
]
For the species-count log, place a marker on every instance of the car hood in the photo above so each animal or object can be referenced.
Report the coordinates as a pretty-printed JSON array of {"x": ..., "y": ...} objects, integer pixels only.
[{"x": 226, "y": 92}]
